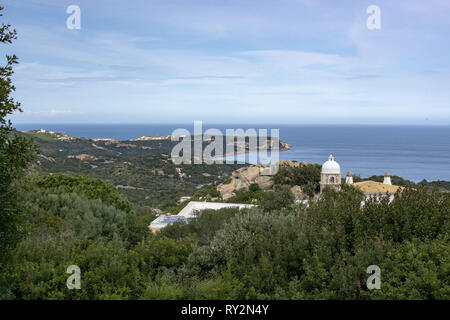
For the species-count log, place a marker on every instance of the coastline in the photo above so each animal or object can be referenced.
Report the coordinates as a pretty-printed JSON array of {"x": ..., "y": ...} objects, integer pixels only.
[{"x": 412, "y": 152}]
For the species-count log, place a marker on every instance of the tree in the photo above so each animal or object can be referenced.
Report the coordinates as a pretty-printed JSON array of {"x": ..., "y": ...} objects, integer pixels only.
[
  {"x": 281, "y": 198},
  {"x": 322, "y": 251},
  {"x": 307, "y": 177},
  {"x": 16, "y": 153}
]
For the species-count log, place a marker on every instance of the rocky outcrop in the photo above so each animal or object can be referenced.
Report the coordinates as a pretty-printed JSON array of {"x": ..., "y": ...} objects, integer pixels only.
[
  {"x": 292, "y": 163},
  {"x": 298, "y": 193},
  {"x": 83, "y": 157},
  {"x": 258, "y": 174},
  {"x": 128, "y": 187},
  {"x": 243, "y": 178},
  {"x": 264, "y": 182},
  {"x": 46, "y": 158},
  {"x": 284, "y": 146}
]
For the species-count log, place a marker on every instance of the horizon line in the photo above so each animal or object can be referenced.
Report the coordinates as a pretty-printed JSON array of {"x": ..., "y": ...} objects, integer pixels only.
[{"x": 234, "y": 123}]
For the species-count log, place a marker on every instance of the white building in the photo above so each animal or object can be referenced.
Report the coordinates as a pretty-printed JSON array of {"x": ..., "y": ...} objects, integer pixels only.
[
  {"x": 330, "y": 175},
  {"x": 164, "y": 220},
  {"x": 349, "y": 178},
  {"x": 190, "y": 211},
  {"x": 387, "y": 179},
  {"x": 195, "y": 206}
]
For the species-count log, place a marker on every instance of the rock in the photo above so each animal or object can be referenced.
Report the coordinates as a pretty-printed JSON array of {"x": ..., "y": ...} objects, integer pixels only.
[
  {"x": 262, "y": 175},
  {"x": 243, "y": 178},
  {"x": 292, "y": 163},
  {"x": 265, "y": 182},
  {"x": 83, "y": 157},
  {"x": 284, "y": 146},
  {"x": 298, "y": 193},
  {"x": 251, "y": 174},
  {"x": 268, "y": 171},
  {"x": 46, "y": 158},
  {"x": 128, "y": 187}
]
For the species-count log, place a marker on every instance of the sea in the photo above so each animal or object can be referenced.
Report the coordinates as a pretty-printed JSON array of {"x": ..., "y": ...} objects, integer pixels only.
[{"x": 412, "y": 152}]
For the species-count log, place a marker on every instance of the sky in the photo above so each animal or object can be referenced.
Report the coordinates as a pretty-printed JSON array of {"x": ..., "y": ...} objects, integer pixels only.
[{"x": 227, "y": 61}]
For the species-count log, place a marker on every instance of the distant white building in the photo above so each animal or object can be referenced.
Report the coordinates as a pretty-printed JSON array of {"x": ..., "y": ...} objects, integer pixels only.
[
  {"x": 387, "y": 179},
  {"x": 349, "y": 178}
]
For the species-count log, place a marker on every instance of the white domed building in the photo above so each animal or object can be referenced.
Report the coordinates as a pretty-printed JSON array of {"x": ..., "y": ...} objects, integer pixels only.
[{"x": 330, "y": 175}]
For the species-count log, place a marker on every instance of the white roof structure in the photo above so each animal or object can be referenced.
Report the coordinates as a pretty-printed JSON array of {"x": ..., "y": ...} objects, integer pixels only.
[
  {"x": 190, "y": 212},
  {"x": 163, "y": 221},
  {"x": 194, "y": 206},
  {"x": 331, "y": 166}
]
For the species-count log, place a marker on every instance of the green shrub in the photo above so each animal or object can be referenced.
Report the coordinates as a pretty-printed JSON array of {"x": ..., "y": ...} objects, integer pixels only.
[
  {"x": 91, "y": 188},
  {"x": 307, "y": 177},
  {"x": 278, "y": 199},
  {"x": 322, "y": 252}
]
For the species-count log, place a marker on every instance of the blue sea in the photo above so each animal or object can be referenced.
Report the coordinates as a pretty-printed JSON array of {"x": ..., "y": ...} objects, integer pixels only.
[{"x": 412, "y": 152}]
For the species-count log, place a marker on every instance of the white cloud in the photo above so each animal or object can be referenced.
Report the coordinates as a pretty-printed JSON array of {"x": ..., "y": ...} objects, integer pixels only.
[{"x": 231, "y": 60}]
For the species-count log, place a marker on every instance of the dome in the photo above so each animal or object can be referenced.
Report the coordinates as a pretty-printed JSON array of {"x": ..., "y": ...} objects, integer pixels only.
[{"x": 331, "y": 166}]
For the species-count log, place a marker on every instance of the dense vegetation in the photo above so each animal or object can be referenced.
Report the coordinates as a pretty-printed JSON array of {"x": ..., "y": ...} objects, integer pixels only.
[
  {"x": 141, "y": 170},
  {"x": 442, "y": 185},
  {"x": 307, "y": 177},
  {"x": 399, "y": 181},
  {"x": 322, "y": 252},
  {"x": 15, "y": 154},
  {"x": 315, "y": 252}
]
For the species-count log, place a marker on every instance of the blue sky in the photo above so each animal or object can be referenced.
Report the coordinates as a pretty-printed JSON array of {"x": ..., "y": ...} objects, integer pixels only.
[{"x": 221, "y": 61}]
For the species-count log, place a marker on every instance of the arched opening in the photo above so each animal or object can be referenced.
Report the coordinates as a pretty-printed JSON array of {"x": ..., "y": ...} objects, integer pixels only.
[{"x": 331, "y": 179}]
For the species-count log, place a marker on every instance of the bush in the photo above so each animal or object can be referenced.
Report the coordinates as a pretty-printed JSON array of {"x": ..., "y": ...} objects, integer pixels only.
[
  {"x": 322, "y": 252},
  {"x": 108, "y": 269},
  {"x": 91, "y": 188},
  {"x": 281, "y": 198},
  {"x": 204, "y": 226},
  {"x": 84, "y": 207},
  {"x": 307, "y": 177}
]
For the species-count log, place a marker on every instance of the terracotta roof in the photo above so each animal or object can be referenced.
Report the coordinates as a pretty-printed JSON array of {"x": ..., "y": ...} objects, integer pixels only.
[{"x": 372, "y": 187}]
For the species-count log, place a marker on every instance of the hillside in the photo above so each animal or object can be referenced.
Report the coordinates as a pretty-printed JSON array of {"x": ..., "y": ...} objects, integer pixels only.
[{"x": 140, "y": 169}]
